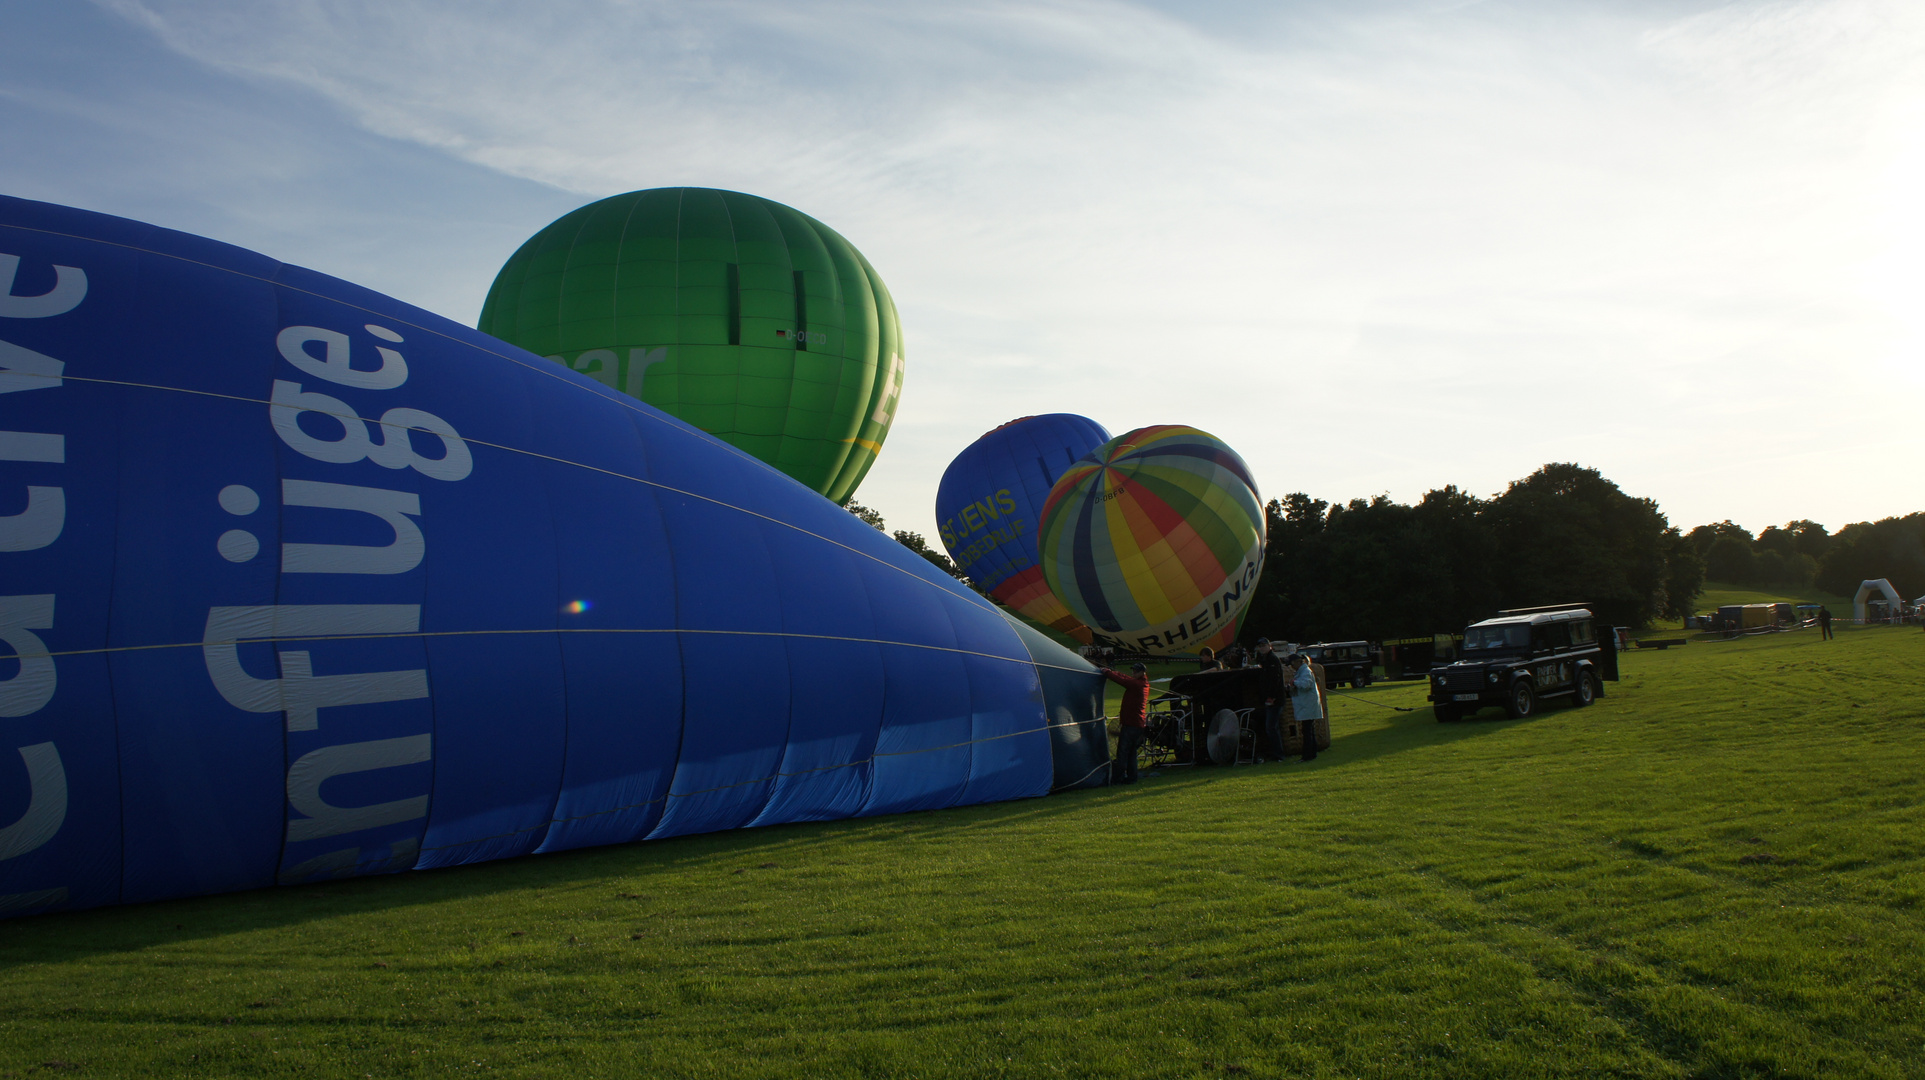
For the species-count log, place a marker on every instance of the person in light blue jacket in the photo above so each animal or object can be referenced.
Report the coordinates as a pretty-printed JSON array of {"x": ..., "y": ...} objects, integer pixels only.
[{"x": 1305, "y": 706}]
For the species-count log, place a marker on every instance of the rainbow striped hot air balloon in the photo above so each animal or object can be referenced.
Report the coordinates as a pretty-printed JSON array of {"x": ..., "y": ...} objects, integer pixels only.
[{"x": 1155, "y": 540}]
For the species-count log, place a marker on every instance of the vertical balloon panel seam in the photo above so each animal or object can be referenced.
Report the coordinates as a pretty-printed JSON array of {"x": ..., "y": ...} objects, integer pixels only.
[
  {"x": 614, "y": 290},
  {"x": 561, "y": 286},
  {"x": 859, "y": 335},
  {"x": 106, "y": 631},
  {"x": 279, "y": 451},
  {"x": 889, "y": 323},
  {"x": 769, "y": 212},
  {"x": 788, "y": 730},
  {"x": 834, "y": 484},
  {"x": 561, "y": 659},
  {"x": 673, "y": 580},
  {"x": 874, "y": 357}
]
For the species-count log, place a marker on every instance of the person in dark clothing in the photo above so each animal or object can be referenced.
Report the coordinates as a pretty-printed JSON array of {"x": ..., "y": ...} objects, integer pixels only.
[
  {"x": 1206, "y": 659},
  {"x": 1824, "y": 623},
  {"x": 1270, "y": 684},
  {"x": 1133, "y": 716}
]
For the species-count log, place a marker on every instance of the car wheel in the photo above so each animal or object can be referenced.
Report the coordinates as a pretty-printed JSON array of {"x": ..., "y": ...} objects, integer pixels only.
[
  {"x": 1586, "y": 690},
  {"x": 1523, "y": 700},
  {"x": 1446, "y": 714}
]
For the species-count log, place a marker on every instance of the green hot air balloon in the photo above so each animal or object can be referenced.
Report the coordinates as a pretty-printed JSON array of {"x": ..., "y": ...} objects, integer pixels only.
[{"x": 750, "y": 320}]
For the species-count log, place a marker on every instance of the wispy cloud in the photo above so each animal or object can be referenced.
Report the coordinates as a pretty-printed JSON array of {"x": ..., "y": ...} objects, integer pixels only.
[{"x": 1376, "y": 248}]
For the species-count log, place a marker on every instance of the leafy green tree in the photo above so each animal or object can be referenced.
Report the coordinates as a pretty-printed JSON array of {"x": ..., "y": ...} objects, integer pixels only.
[
  {"x": 1567, "y": 534},
  {"x": 914, "y": 542},
  {"x": 1810, "y": 538},
  {"x": 1704, "y": 536},
  {"x": 1732, "y": 561},
  {"x": 1891, "y": 548},
  {"x": 1776, "y": 539},
  {"x": 1683, "y": 575},
  {"x": 873, "y": 518}
]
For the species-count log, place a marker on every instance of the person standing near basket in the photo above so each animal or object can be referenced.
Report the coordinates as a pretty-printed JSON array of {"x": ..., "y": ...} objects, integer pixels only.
[
  {"x": 1133, "y": 719},
  {"x": 1272, "y": 684},
  {"x": 1305, "y": 701}
]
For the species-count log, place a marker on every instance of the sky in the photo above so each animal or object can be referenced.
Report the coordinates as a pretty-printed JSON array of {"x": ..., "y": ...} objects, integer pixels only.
[{"x": 1377, "y": 246}]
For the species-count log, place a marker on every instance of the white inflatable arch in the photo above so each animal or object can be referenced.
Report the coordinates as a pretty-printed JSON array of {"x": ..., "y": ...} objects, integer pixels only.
[{"x": 1865, "y": 591}]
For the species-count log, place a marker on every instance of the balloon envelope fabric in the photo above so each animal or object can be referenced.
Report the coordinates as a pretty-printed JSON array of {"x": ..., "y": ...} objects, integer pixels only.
[
  {"x": 990, "y": 502},
  {"x": 303, "y": 582},
  {"x": 748, "y": 319},
  {"x": 1155, "y": 539}
]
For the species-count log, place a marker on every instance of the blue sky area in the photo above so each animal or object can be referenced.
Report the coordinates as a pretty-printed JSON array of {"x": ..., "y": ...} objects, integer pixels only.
[{"x": 1377, "y": 247}]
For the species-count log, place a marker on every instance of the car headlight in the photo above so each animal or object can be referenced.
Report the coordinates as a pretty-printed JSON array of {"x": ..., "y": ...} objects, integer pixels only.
[{"x": 1493, "y": 676}]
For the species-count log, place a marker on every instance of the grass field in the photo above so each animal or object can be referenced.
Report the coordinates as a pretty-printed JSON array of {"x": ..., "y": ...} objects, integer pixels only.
[{"x": 1714, "y": 872}]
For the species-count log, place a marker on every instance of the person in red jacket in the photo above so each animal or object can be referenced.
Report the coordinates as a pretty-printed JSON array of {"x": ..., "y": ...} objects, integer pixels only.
[{"x": 1134, "y": 716}]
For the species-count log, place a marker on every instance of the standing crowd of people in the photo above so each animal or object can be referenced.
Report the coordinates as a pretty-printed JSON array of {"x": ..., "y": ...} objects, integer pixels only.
[{"x": 1284, "y": 676}]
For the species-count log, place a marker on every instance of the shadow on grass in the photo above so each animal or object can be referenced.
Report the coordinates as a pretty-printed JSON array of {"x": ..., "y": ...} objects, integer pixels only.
[{"x": 613, "y": 870}]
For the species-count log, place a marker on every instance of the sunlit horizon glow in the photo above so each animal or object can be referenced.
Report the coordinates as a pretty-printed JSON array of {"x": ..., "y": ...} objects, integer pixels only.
[{"x": 1376, "y": 247}]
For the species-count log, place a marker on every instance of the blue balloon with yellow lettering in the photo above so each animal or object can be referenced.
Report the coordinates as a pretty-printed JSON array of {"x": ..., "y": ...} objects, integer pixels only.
[
  {"x": 299, "y": 582},
  {"x": 990, "y": 505}
]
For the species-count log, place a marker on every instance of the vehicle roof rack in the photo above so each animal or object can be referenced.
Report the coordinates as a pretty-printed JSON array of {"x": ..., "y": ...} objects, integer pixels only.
[{"x": 1541, "y": 610}]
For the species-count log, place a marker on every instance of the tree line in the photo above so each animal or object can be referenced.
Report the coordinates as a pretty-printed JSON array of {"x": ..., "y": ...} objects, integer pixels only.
[
  {"x": 1804, "y": 553},
  {"x": 1379, "y": 569},
  {"x": 911, "y": 540}
]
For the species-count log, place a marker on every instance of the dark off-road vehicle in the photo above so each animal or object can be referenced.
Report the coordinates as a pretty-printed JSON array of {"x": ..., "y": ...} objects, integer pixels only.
[
  {"x": 1523, "y": 658},
  {"x": 1343, "y": 661}
]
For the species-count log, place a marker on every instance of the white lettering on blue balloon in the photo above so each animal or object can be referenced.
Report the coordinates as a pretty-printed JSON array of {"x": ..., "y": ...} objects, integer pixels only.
[
  {"x": 24, "y": 369},
  {"x": 37, "y": 526},
  {"x": 46, "y": 806},
  {"x": 394, "y": 450},
  {"x": 299, "y": 693},
  {"x": 40, "y": 524},
  {"x": 69, "y": 289},
  {"x": 392, "y": 507},
  {"x": 324, "y": 819},
  {"x": 30, "y": 688},
  {"x": 334, "y": 365}
]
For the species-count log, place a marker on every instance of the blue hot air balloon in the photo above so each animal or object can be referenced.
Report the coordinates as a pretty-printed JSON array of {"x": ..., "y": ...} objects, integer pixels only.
[
  {"x": 298, "y": 581},
  {"x": 990, "y": 504}
]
